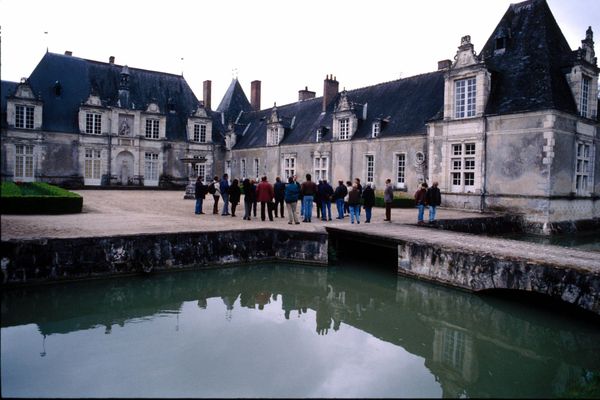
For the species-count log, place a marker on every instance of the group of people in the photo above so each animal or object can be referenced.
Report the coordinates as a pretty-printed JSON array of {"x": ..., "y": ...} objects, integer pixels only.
[{"x": 348, "y": 197}]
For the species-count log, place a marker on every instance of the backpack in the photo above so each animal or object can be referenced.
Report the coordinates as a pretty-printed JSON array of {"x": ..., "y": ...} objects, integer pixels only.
[{"x": 211, "y": 188}]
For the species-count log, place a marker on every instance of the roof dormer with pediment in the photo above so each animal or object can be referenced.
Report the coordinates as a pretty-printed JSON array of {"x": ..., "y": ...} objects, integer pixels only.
[
  {"x": 345, "y": 120},
  {"x": 23, "y": 109}
]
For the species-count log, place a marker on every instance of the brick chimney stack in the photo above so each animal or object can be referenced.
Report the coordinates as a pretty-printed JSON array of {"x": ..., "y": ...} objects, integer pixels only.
[
  {"x": 68, "y": 53},
  {"x": 444, "y": 64},
  {"x": 111, "y": 59},
  {"x": 305, "y": 94},
  {"x": 206, "y": 94},
  {"x": 255, "y": 95},
  {"x": 330, "y": 90}
]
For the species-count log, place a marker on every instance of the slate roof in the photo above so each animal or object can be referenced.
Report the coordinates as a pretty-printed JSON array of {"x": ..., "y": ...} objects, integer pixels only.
[
  {"x": 7, "y": 89},
  {"x": 78, "y": 77},
  {"x": 530, "y": 74},
  {"x": 406, "y": 104},
  {"x": 234, "y": 101}
]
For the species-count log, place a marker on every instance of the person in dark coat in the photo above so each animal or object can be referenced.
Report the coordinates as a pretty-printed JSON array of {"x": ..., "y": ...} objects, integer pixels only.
[
  {"x": 433, "y": 198},
  {"x": 201, "y": 190},
  {"x": 224, "y": 188},
  {"x": 279, "y": 190},
  {"x": 338, "y": 196},
  {"x": 234, "y": 195},
  {"x": 421, "y": 202},
  {"x": 249, "y": 197},
  {"x": 354, "y": 203},
  {"x": 292, "y": 195},
  {"x": 317, "y": 199},
  {"x": 368, "y": 197},
  {"x": 325, "y": 194}
]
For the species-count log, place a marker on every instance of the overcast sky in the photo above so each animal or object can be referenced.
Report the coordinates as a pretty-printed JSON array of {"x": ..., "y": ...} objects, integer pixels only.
[{"x": 285, "y": 44}]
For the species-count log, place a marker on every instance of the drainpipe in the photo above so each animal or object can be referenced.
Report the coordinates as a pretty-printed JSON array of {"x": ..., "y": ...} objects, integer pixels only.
[{"x": 484, "y": 174}]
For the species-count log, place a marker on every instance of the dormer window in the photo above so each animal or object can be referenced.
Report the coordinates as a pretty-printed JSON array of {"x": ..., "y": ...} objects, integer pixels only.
[
  {"x": 344, "y": 124},
  {"x": 24, "y": 116},
  {"x": 199, "y": 133},
  {"x": 585, "y": 96},
  {"x": 273, "y": 136},
  {"x": 152, "y": 128},
  {"x": 465, "y": 94},
  {"x": 376, "y": 128},
  {"x": 93, "y": 123}
]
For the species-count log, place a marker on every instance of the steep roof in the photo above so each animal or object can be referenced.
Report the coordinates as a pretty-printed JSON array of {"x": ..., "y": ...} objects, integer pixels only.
[
  {"x": 529, "y": 74},
  {"x": 404, "y": 106},
  {"x": 7, "y": 89},
  {"x": 234, "y": 101},
  {"x": 78, "y": 78}
]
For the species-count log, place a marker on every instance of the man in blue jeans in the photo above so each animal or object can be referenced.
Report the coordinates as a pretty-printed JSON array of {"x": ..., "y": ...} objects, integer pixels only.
[
  {"x": 224, "y": 187},
  {"x": 421, "y": 202},
  {"x": 308, "y": 189}
]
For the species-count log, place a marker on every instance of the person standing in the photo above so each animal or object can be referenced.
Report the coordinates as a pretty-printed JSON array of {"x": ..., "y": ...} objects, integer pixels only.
[
  {"x": 291, "y": 195},
  {"x": 368, "y": 197},
  {"x": 434, "y": 199},
  {"x": 360, "y": 190},
  {"x": 249, "y": 197},
  {"x": 317, "y": 199},
  {"x": 340, "y": 192},
  {"x": 354, "y": 204},
  {"x": 348, "y": 189},
  {"x": 216, "y": 192},
  {"x": 255, "y": 201},
  {"x": 279, "y": 189},
  {"x": 264, "y": 194},
  {"x": 234, "y": 195},
  {"x": 199, "y": 194},
  {"x": 388, "y": 198},
  {"x": 308, "y": 189},
  {"x": 224, "y": 188},
  {"x": 421, "y": 202},
  {"x": 325, "y": 193}
]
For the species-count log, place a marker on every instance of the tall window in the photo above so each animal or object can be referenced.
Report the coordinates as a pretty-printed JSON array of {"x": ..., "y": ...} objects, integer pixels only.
[
  {"x": 243, "y": 168},
  {"x": 151, "y": 166},
  {"x": 24, "y": 117},
  {"x": 582, "y": 168},
  {"x": 199, "y": 133},
  {"x": 321, "y": 167},
  {"x": 273, "y": 136},
  {"x": 585, "y": 96},
  {"x": 400, "y": 168},
  {"x": 152, "y": 128},
  {"x": 375, "y": 129},
  {"x": 93, "y": 123},
  {"x": 453, "y": 348},
  {"x": 370, "y": 167},
  {"x": 24, "y": 162},
  {"x": 344, "y": 129},
  {"x": 256, "y": 167},
  {"x": 92, "y": 164},
  {"x": 289, "y": 166},
  {"x": 465, "y": 95},
  {"x": 201, "y": 171},
  {"x": 462, "y": 167}
]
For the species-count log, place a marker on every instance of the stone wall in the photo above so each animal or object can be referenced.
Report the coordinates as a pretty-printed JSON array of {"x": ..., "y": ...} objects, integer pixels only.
[{"x": 45, "y": 260}]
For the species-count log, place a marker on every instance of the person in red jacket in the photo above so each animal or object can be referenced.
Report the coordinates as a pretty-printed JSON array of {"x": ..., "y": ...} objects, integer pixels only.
[{"x": 265, "y": 194}]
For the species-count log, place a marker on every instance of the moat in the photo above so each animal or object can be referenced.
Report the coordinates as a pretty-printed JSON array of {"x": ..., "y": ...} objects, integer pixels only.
[{"x": 278, "y": 330}]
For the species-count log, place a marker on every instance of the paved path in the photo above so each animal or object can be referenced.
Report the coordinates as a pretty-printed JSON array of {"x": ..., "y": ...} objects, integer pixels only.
[{"x": 126, "y": 212}]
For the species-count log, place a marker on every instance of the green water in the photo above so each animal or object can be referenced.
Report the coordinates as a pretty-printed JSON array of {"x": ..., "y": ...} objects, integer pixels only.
[{"x": 288, "y": 331}]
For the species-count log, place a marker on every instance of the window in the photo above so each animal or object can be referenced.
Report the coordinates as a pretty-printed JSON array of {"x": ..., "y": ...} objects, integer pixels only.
[
  {"x": 151, "y": 166},
  {"x": 344, "y": 129},
  {"x": 582, "y": 168},
  {"x": 201, "y": 171},
  {"x": 400, "y": 168},
  {"x": 321, "y": 168},
  {"x": 376, "y": 129},
  {"x": 464, "y": 100},
  {"x": 93, "y": 123},
  {"x": 453, "y": 348},
  {"x": 289, "y": 166},
  {"x": 24, "y": 117},
  {"x": 585, "y": 95},
  {"x": 462, "y": 167},
  {"x": 319, "y": 136},
  {"x": 199, "y": 133},
  {"x": 256, "y": 167},
  {"x": 92, "y": 164},
  {"x": 370, "y": 168},
  {"x": 243, "y": 168},
  {"x": 273, "y": 139},
  {"x": 24, "y": 162},
  {"x": 152, "y": 128}
]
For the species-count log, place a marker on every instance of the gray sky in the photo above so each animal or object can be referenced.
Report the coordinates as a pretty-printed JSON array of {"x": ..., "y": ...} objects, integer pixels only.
[{"x": 285, "y": 44}]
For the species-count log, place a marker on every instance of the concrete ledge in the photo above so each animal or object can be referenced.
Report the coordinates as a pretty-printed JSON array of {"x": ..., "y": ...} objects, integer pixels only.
[{"x": 47, "y": 260}]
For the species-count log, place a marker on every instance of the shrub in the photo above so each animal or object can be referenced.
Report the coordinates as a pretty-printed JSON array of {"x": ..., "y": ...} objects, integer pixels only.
[
  {"x": 38, "y": 198},
  {"x": 401, "y": 200}
]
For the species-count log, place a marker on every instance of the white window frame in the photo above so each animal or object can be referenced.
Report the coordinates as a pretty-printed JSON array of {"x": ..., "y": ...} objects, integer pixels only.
[
  {"x": 289, "y": 166},
  {"x": 273, "y": 139},
  {"x": 321, "y": 168},
  {"x": 200, "y": 170},
  {"x": 319, "y": 136},
  {"x": 463, "y": 166},
  {"x": 24, "y": 163},
  {"x": 344, "y": 128},
  {"x": 152, "y": 128},
  {"x": 93, "y": 123},
  {"x": 400, "y": 169},
  {"x": 92, "y": 166},
  {"x": 199, "y": 133},
  {"x": 583, "y": 181},
  {"x": 369, "y": 168},
  {"x": 465, "y": 98},
  {"x": 376, "y": 129},
  {"x": 24, "y": 116},
  {"x": 151, "y": 170},
  {"x": 586, "y": 84}
]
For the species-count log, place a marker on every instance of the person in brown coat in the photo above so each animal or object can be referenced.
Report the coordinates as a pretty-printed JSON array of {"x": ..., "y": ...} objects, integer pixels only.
[
  {"x": 265, "y": 194},
  {"x": 421, "y": 201}
]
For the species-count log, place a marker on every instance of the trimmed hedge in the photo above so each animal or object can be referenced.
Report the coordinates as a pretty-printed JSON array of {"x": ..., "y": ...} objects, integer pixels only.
[
  {"x": 38, "y": 198},
  {"x": 402, "y": 202}
]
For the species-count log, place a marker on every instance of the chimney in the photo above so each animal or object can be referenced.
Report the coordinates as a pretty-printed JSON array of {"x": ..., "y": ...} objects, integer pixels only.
[
  {"x": 255, "y": 95},
  {"x": 111, "y": 59},
  {"x": 330, "y": 90},
  {"x": 444, "y": 64},
  {"x": 68, "y": 53},
  {"x": 206, "y": 93},
  {"x": 305, "y": 94}
]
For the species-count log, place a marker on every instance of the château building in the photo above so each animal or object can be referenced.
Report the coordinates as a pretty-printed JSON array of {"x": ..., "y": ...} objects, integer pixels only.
[{"x": 513, "y": 127}]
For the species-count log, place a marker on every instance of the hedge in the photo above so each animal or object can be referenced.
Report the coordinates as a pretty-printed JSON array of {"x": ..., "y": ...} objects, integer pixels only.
[
  {"x": 397, "y": 202},
  {"x": 38, "y": 198}
]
